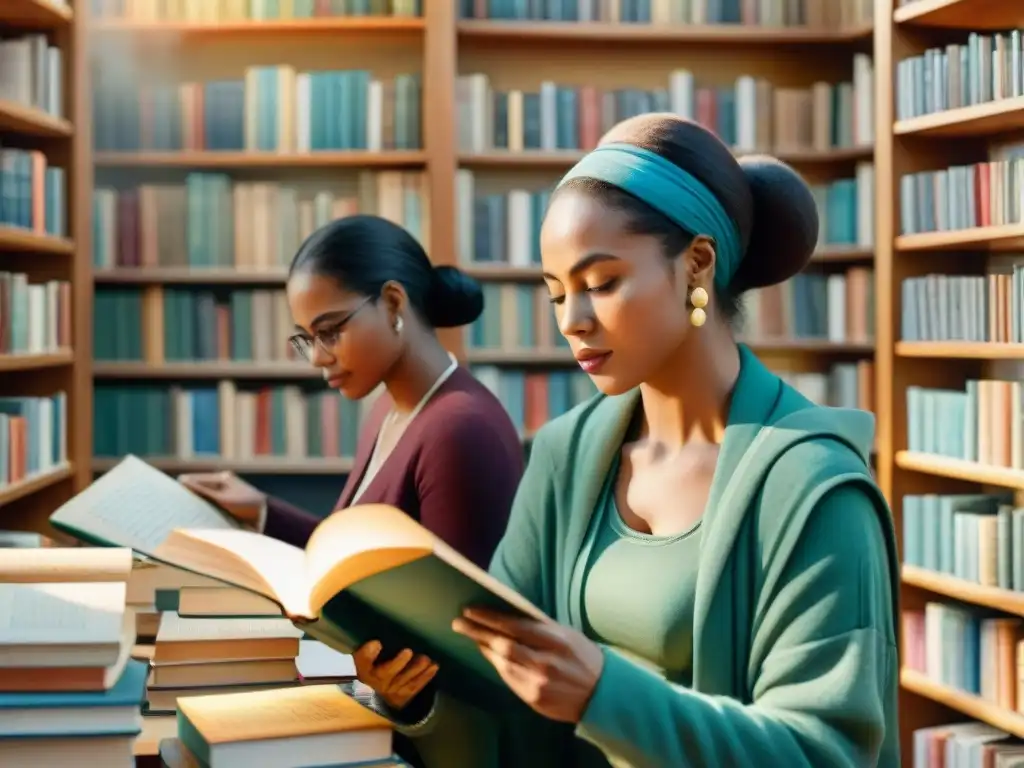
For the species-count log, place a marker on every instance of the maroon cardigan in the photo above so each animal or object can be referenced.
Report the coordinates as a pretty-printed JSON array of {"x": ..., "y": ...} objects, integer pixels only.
[{"x": 455, "y": 470}]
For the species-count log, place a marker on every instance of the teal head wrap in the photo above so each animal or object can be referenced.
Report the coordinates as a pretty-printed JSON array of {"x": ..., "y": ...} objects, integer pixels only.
[{"x": 670, "y": 190}]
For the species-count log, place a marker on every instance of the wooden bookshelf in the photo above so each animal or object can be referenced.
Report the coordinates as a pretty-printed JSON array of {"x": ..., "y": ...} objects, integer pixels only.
[
  {"x": 934, "y": 141},
  {"x": 61, "y": 135}
]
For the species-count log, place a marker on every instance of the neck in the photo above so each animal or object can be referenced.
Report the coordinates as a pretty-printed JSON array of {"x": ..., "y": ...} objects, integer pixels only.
[
  {"x": 687, "y": 401},
  {"x": 416, "y": 371}
]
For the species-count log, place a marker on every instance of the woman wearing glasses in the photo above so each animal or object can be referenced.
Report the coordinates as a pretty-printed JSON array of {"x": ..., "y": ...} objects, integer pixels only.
[{"x": 366, "y": 302}]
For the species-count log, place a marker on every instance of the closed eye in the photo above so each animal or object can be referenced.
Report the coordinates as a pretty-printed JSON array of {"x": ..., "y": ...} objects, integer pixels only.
[
  {"x": 604, "y": 287},
  {"x": 556, "y": 299}
]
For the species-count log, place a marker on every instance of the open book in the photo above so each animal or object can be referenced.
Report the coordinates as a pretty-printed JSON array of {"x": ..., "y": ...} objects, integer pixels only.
[{"x": 368, "y": 572}]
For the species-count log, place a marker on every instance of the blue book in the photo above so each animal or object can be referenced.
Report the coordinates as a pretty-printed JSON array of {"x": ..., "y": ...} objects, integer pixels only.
[
  {"x": 174, "y": 754},
  {"x": 116, "y": 712}
]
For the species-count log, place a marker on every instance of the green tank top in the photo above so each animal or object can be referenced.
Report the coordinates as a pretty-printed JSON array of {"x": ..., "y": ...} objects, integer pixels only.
[{"x": 638, "y": 590}]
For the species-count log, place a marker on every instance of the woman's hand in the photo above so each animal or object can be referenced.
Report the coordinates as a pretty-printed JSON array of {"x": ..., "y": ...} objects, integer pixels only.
[
  {"x": 396, "y": 681},
  {"x": 229, "y": 492},
  {"x": 551, "y": 667}
]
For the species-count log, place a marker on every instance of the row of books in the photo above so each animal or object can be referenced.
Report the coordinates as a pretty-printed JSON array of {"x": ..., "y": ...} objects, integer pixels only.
[
  {"x": 968, "y": 743},
  {"x": 978, "y": 308},
  {"x": 962, "y": 648},
  {"x": 32, "y": 73},
  {"x": 988, "y": 67},
  {"x": 35, "y": 318},
  {"x": 963, "y": 196},
  {"x": 767, "y": 13},
  {"x": 982, "y": 423},
  {"x": 974, "y": 537},
  {"x": 32, "y": 192},
  {"x": 220, "y": 420},
  {"x": 33, "y": 436},
  {"x": 161, "y": 324},
  {"x": 272, "y": 109},
  {"x": 752, "y": 115},
  {"x": 230, "y": 11},
  {"x": 212, "y": 221},
  {"x": 504, "y": 227}
]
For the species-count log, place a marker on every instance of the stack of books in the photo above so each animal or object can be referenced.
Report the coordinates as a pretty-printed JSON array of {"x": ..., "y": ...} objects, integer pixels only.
[
  {"x": 195, "y": 656},
  {"x": 154, "y": 587},
  {"x": 69, "y": 692},
  {"x": 315, "y": 725}
]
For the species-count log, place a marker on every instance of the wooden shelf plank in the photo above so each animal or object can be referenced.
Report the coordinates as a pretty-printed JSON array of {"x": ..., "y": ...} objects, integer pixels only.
[
  {"x": 186, "y": 276},
  {"x": 960, "y": 14},
  {"x": 38, "y": 14},
  {"x": 30, "y": 121},
  {"x": 15, "y": 239},
  {"x": 490, "y": 31},
  {"x": 35, "y": 483},
  {"x": 565, "y": 158},
  {"x": 965, "y": 591},
  {"x": 242, "y": 160},
  {"x": 958, "y": 469},
  {"x": 263, "y": 465},
  {"x": 966, "y": 703},
  {"x": 960, "y": 349},
  {"x": 11, "y": 363},
  {"x": 987, "y": 119},
  {"x": 1004, "y": 236},
  {"x": 213, "y": 369},
  {"x": 320, "y": 25},
  {"x": 815, "y": 346}
]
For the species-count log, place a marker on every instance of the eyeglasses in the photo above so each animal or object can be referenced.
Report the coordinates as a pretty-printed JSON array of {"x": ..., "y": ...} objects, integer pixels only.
[{"x": 326, "y": 338}]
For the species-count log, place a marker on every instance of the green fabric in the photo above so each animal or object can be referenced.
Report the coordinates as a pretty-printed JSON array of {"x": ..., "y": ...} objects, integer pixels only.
[
  {"x": 638, "y": 589},
  {"x": 795, "y": 616}
]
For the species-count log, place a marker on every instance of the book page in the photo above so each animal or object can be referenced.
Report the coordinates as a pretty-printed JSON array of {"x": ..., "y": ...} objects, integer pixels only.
[
  {"x": 73, "y": 564},
  {"x": 137, "y": 506},
  {"x": 246, "y": 559},
  {"x": 175, "y": 629},
  {"x": 61, "y": 614}
]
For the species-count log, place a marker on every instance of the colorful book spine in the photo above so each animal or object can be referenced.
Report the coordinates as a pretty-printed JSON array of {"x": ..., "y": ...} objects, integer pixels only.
[
  {"x": 33, "y": 436},
  {"x": 32, "y": 73},
  {"x": 233, "y": 11},
  {"x": 980, "y": 744},
  {"x": 985, "y": 68},
  {"x": 32, "y": 192},
  {"x": 35, "y": 318},
  {"x": 212, "y": 221},
  {"x": 272, "y": 109},
  {"x": 751, "y": 115},
  {"x": 534, "y": 397}
]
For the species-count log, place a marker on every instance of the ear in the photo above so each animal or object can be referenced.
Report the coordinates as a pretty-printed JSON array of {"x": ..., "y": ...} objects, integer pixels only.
[
  {"x": 394, "y": 298},
  {"x": 700, "y": 261}
]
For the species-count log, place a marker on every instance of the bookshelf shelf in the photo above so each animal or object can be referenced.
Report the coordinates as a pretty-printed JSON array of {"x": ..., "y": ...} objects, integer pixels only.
[
  {"x": 14, "y": 239},
  {"x": 960, "y": 349},
  {"x": 563, "y": 159},
  {"x": 217, "y": 369},
  {"x": 265, "y": 465},
  {"x": 11, "y": 363},
  {"x": 547, "y": 32},
  {"x": 377, "y": 25},
  {"x": 965, "y": 591},
  {"x": 959, "y": 14},
  {"x": 965, "y": 703},
  {"x": 1002, "y": 237},
  {"x": 987, "y": 119},
  {"x": 958, "y": 469},
  {"x": 36, "y": 14},
  {"x": 185, "y": 276},
  {"x": 259, "y": 160},
  {"x": 29, "y": 121},
  {"x": 28, "y": 486}
]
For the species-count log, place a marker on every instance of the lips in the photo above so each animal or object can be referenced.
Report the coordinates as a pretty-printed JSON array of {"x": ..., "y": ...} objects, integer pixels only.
[{"x": 591, "y": 360}]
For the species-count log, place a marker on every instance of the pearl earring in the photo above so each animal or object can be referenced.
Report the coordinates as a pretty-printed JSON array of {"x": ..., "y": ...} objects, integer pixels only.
[
  {"x": 699, "y": 300},
  {"x": 398, "y": 325}
]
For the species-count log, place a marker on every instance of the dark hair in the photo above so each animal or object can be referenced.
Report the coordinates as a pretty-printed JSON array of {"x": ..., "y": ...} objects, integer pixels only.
[
  {"x": 364, "y": 252},
  {"x": 772, "y": 207}
]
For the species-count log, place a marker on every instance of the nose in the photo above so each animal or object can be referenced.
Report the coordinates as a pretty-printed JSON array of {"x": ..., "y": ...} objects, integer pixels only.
[{"x": 577, "y": 315}]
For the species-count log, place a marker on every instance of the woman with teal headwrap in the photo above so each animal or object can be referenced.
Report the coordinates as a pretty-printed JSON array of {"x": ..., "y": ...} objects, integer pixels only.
[{"x": 720, "y": 562}]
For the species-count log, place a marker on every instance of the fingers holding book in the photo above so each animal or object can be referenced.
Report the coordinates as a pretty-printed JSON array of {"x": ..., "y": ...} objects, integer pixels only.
[
  {"x": 397, "y": 680},
  {"x": 229, "y": 492}
]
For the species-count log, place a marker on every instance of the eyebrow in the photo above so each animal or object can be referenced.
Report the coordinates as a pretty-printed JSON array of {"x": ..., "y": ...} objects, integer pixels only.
[
  {"x": 585, "y": 263},
  {"x": 325, "y": 316}
]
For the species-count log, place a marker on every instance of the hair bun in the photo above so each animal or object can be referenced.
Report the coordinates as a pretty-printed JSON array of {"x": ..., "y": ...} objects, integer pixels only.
[
  {"x": 455, "y": 298},
  {"x": 785, "y": 224}
]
